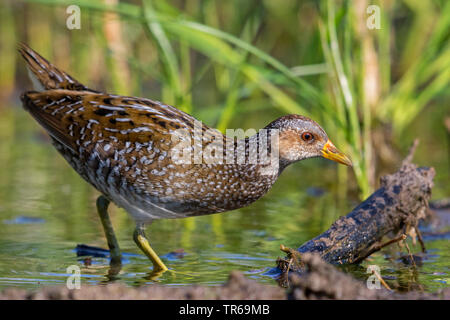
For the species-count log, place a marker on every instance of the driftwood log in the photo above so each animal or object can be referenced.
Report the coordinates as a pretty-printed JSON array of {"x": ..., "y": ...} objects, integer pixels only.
[{"x": 393, "y": 210}]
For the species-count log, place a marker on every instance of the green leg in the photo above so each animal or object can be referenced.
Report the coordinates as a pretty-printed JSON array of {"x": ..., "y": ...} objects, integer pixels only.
[
  {"x": 142, "y": 243},
  {"x": 114, "y": 250}
]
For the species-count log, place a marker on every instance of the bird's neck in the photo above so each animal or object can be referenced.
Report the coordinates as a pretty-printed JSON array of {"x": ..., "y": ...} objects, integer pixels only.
[{"x": 263, "y": 146}]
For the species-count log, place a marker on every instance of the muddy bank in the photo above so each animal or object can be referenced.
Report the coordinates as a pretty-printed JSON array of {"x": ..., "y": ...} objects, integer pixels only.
[
  {"x": 321, "y": 280},
  {"x": 238, "y": 287}
]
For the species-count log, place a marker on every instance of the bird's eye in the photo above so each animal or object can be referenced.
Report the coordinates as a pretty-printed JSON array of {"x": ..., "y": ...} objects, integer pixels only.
[{"x": 306, "y": 136}]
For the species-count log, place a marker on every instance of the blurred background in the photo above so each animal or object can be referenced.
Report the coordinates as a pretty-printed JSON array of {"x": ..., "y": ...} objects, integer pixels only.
[{"x": 232, "y": 64}]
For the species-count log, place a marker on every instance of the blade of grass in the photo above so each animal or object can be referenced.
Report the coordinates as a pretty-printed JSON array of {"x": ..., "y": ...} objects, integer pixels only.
[{"x": 166, "y": 53}]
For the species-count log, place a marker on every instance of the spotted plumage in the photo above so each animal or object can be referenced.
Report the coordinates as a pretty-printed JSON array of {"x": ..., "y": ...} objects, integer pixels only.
[{"x": 123, "y": 146}]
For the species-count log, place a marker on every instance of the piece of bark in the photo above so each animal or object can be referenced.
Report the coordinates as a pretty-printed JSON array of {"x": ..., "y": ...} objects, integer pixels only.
[{"x": 394, "y": 209}]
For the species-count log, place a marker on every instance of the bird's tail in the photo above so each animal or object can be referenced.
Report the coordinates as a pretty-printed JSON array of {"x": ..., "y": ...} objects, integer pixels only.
[{"x": 44, "y": 75}]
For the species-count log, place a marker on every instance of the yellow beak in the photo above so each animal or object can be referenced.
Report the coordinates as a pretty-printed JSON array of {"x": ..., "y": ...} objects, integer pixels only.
[{"x": 329, "y": 151}]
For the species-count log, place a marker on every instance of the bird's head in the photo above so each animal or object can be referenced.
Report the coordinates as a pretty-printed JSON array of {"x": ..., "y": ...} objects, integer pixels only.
[{"x": 302, "y": 138}]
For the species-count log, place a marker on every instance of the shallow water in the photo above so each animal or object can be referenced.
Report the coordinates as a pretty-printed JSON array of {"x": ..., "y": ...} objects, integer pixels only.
[{"x": 46, "y": 209}]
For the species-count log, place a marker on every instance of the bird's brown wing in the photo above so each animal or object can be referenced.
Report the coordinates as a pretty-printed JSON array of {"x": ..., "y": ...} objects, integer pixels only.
[{"x": 75, "y": 118}]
